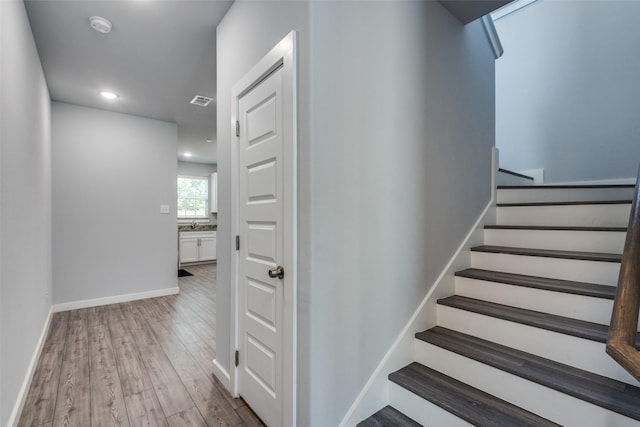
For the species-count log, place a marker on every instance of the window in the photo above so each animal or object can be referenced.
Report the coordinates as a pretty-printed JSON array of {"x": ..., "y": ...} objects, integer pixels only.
[{"x": 193, "y": 197}]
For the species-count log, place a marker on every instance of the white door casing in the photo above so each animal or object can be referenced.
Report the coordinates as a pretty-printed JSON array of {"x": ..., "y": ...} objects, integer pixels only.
[{"x": 264, "y": 192}]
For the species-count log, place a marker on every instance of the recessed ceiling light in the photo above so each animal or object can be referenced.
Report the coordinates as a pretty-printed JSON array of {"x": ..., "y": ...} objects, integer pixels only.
[
  {"x": 188, "y": 154},
  {"x": 100, "y": 24},
  {"x": 208, "y": 140},
  {"x": 109, "y": 95}
]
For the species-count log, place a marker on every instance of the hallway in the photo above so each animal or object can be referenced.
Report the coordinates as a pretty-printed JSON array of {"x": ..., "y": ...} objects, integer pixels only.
[{"x": 146, "y": 362}]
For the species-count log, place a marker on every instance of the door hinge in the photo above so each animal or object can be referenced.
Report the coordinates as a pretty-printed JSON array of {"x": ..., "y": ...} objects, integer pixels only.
[
  {"x": 237, "y": 358},
  {"x": 237, "y": 127},
  {"x": 237, "y": 243}
]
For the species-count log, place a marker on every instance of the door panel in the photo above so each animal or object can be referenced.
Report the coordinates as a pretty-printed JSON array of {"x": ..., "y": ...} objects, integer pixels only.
[
  {"x": 261, "y": 364},
  {"x": 261, "y": 242},
  {"x": 260, "y": 214},
  {"x": 261, "y": 303},
  {"x": 263, "y": 121},
  {"x": 262, "y": 182}
]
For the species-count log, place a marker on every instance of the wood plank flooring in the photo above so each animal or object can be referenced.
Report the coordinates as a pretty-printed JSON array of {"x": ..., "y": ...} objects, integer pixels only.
[{"x": 141, "y": 363}]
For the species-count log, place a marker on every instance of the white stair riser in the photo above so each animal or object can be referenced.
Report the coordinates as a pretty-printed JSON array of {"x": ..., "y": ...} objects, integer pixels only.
[
  {"x": 590, "y": 309},
  {"x": 533, "y": 195},
  {"x": 586, "y": 241},
  {"x": 421, "y": 410},
  {"x": 581, "y": 353},
  {"x": 604, "y": 273},
  {"x": 616, "y": 215},
  {"x": 543, "y": 401}
]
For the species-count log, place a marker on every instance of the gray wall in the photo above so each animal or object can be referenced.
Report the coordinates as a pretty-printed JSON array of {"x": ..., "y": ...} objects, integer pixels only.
[
  {"x": 394, "y": 168},
  {"x": 25, "y": 199},
  {"x": 196, "y": 169},
  {"x": 111, "y": 173},
  {"x": 567, "y": 93},
  {"x": 199, "y": 169}
]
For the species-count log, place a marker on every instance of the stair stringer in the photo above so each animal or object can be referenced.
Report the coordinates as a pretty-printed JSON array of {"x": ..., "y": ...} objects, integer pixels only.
[{"x": 375, "y": 393}]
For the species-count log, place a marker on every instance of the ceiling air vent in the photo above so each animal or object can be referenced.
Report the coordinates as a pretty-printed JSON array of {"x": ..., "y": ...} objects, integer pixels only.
[{"x": 200, "y": 100}]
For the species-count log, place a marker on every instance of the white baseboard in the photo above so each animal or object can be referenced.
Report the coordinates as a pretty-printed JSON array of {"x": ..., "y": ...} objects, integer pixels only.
[
  {"x": 26, "y": 384},
  {"x": 374, "y": 394},
  {"x": 115, "y": 299},
  {"x": 222, "y": 375}
]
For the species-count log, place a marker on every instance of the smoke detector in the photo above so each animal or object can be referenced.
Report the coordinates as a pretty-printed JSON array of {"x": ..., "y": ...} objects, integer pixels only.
[
  {"x": 201, "y": 101},
  {"x": 100, "y": 24}
]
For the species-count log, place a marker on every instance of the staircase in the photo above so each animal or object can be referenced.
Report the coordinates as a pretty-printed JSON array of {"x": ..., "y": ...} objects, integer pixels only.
[{"x": 522, "y": 341}]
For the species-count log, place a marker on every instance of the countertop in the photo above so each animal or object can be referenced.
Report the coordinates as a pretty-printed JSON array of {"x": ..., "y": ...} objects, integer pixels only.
[{"x": 199, "y": 227}]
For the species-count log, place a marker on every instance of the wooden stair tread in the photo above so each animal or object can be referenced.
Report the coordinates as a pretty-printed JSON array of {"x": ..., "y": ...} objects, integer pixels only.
[
  {"x": 554, "y": 228},
  {"x": 550, "y": 253},
  {"x": 552, "y": 186},
  {"x": 462, "y": 400},
  {"x": 605, "y": 392},
  {"x": 388, "y": 417},
  {"x": 551, "y": 322},
  {"x": 577, "y": 203},
  {"x": 546, "y": 283}
]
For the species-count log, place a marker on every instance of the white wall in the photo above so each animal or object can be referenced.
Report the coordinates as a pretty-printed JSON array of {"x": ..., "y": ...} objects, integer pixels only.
[
  {"x": 567, "y": 92},
  {"x": 403, "y": 125},
  {"x": 200, "y": 170},
  {"x": 111, "y": 173},
  {"x": 248, "y": 31},
  {"x": 25, "y": 200}
]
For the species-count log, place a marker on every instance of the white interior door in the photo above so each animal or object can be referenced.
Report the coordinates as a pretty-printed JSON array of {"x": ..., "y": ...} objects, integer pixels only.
[
  {"x": 264, "y": 188},
  {"x": 260, "y": 116}
]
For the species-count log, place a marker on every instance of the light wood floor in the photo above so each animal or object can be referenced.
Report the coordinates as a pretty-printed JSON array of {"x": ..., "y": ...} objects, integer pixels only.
[{"x": 142, "y": 363}]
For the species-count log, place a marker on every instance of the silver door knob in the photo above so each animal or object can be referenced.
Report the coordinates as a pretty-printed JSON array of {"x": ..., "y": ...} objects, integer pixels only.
[{"x": 277, "y": 272}]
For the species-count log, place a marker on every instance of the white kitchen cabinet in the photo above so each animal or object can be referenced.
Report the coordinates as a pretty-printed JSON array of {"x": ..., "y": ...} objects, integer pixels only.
[
  {"x": 207, "y": 251},
  {"x": 196, "y": 246},
  {"x": 213, "y": 193},
  {"x": 188, "y": 249}
]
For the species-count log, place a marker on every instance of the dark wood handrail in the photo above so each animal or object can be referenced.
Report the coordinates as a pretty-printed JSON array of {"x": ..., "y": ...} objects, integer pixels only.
[{"x": 621, "y": 342}]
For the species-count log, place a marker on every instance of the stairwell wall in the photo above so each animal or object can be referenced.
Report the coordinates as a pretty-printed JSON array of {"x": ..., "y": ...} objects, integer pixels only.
[
  {"x": 402, "y": 129},
  {"x": 567, "y": 91}
]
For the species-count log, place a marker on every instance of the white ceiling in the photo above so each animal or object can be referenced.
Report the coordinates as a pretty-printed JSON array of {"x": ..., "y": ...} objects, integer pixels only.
[{"x": 158, "y": 56}]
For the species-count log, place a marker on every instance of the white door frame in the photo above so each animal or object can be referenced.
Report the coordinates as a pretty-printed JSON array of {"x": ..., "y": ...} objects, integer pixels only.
[{"x": 282, "y": 55}]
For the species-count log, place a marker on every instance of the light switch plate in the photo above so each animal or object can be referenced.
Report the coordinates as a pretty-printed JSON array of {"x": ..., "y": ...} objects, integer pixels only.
[{"x": 164, "y": 209}]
